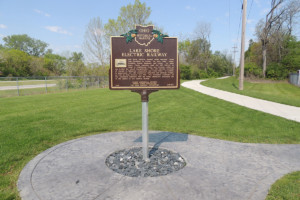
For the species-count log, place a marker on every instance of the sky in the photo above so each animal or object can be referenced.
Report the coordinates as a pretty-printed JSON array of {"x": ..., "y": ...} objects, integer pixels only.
[{"x": 62, "y": 23}]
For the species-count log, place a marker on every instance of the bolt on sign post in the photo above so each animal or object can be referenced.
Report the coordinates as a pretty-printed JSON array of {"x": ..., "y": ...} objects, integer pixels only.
[{"x": 144, "y": 61}]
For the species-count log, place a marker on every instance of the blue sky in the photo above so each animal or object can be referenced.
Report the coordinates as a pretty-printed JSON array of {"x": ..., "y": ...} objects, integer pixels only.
[{"x": 62, "y": 23}]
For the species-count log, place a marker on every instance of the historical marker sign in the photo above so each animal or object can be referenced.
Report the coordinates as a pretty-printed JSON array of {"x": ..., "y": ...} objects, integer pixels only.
[{"x": 144, "y": 59}]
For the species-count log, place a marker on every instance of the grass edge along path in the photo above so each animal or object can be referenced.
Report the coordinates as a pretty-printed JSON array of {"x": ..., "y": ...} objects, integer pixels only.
[
  {"x": 287, "y": 187},
  {"x": 280, "y": 92},
  {"x": 32, "y": 124}
]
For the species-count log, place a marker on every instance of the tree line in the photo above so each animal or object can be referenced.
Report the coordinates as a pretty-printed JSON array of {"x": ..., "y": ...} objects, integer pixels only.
[
  {"x": 276, "y": 51},
  {"x": 196, "y": 57},
  {"x": 24, "y": 56}
]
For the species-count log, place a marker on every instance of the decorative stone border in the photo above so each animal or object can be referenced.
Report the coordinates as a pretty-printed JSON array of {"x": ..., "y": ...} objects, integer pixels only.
[{"x": 129, "y": 162}]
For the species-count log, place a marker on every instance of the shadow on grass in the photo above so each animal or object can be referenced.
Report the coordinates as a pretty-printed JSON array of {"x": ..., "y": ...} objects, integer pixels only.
[{"x": 234, "y": 85}]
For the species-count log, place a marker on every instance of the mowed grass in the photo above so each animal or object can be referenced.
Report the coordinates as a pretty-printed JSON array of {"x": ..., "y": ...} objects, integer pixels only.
[
  {"x": 287, "y": 187},
  {"x": 32, "y": 124},
  {"x": 281, "y": 92}
]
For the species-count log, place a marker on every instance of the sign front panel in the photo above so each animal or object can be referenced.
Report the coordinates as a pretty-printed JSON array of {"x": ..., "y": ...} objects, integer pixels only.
[{"x": 144, "y": 59}]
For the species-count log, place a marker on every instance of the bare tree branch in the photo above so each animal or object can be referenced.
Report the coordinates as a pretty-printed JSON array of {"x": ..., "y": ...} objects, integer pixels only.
[{"x": 95, "y": 44}]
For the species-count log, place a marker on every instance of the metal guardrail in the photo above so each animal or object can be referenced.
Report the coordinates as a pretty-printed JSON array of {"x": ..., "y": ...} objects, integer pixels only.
[
  {"x": 20, "y": 86},
  {"x": 294, "y": 78}
]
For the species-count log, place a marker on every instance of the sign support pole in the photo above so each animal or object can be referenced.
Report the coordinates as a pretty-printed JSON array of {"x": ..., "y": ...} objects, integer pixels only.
[{"x": 145, "y": 135}]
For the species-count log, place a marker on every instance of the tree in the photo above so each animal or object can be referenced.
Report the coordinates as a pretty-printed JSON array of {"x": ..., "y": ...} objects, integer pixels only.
[
  {"x": 15, "y": 63},
  {"x": 292, "y": 59},
  {"x": 55, "y": 64},
  {"x": 130, "y": 15},
  {"x": 25, "y": 43},
  {"x": 77, "y": 57},
  {"x": 292, "y": 10},
  {"x": 75, "y": 65},
  {"x": 183, "y": 48},
  {"x": 203, "y": 31},
  {"x": 277, "y": 27},
  {"x": 254, "y": 54},
  {"x": 221, "y": 63},
  {"x": 263, "y": 29},
  {"x": 199, "y": 53},
  {"x": 37, "y": 67},
  {"x": 95, "y": 44}
]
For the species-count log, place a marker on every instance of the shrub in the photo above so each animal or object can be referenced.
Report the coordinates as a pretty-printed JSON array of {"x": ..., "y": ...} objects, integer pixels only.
[
  {"x": 195, "y": 74},
  {"x": 203, "y": 74},
  {"x": 276, "y": 71},
  {"x": 252, "y": 70},
  {"x": 185, "y": 72},
  {"x": 211, "y": 73}
]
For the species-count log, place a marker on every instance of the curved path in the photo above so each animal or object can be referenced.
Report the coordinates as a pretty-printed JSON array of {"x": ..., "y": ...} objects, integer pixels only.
[
  {"x": 281, "y": 110},
  {"x": 215, "y": 169}
]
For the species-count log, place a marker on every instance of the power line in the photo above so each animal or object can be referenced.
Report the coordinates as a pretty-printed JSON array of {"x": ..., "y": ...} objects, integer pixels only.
[
  {"x": 237, "y": 37},
  {"x": 250, "y": 9},
  {"x": 229, "y": 20}
]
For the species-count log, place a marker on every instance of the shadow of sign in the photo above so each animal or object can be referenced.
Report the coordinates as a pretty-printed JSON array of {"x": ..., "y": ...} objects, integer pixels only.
[{"x": 162, "y": 137}]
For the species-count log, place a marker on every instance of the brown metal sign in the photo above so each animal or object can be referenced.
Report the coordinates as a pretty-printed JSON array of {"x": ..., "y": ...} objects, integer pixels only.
[{"x": 144, "y": 59}]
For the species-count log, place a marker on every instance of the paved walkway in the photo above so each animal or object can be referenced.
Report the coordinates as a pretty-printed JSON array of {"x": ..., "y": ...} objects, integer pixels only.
[
  {"x": 215, "y": 170},
  {"x": 26, "y": 86},
  {"x": 281, "y": 110}
]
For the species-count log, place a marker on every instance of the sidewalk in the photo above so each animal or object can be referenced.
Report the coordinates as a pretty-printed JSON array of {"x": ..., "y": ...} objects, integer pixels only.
[
  {"x": 215, "y": 169},
  {"x": 281, "y": 110},
  {"x": 21, "y": 87}
]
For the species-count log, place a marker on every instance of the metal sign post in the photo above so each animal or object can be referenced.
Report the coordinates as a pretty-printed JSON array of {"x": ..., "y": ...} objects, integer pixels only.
[{"x": 145, "y": 136}]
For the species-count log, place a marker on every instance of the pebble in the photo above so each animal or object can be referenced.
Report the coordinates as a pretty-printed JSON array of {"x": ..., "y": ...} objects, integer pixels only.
[{"x": 129, "y": 162}]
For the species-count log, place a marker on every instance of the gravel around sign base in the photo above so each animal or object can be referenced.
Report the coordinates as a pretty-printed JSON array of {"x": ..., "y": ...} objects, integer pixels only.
[{"x": 129, "y": 162}]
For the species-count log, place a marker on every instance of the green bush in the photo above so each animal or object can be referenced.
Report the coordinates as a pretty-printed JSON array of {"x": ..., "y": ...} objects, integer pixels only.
[
  {"x": 203, "y": 74},
  {"x": 252, "y": 70},
  {"x": 195, "y": 74},
  {"x": 211, "y": 73},
  {"x": 185, "y": 72},
  {"x": 71, "y": 83},
  {"x": 276, "y": 71}
]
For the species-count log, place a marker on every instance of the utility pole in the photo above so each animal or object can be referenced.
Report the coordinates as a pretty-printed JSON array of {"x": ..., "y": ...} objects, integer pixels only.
[
  {"x": 234, "y": 66},
  {"x": 242, "y": 58}
]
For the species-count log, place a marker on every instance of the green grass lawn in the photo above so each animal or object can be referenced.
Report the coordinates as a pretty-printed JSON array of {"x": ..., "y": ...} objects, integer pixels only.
[
  {"x": 281, "y": 92},
  {"x": 287, "y": 187},
  {"x": 32, "y": 124}
]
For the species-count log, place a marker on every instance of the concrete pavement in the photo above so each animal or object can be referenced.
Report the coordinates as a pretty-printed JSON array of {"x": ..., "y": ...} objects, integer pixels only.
[
  {"x": 215, "y": 170},
  {"x": 26, "y": 86},
  {"x": 281, "y": 110}
]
